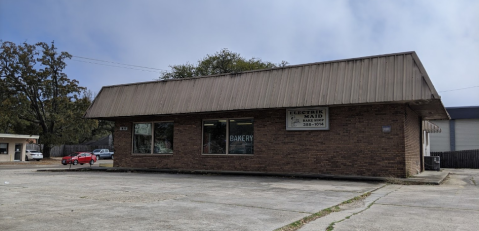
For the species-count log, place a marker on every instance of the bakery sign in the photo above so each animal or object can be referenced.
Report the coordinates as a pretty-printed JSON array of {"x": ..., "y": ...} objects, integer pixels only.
[{"x": 307, "y": 118}]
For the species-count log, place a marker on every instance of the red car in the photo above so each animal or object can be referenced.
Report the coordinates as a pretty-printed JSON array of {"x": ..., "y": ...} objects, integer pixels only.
[{"x": 79, "y": 158}]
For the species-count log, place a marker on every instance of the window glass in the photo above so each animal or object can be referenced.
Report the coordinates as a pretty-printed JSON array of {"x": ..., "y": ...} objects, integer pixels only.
[
  {"x": 3, "y": 148},
  {"x": 163, "y": 137},
  {"x": 241, "y": 136},
  {"x": 214, "y": 136},
  {"x": 142, "y": 138}
]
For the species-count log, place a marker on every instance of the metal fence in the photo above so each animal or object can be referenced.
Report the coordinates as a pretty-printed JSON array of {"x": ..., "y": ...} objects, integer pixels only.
[
  {"x": 459, "y": 159},
  {"x": 64, "y": 150}
]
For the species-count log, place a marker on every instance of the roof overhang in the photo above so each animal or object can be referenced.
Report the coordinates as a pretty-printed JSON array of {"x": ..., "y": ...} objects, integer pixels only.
[{"x": 430, "y": 109}]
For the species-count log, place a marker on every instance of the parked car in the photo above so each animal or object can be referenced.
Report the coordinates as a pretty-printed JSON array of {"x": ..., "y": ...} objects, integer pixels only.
[
  {"x": 79, "y": 158},
  {"x": 33, "y": 155},
  {"x": 103, "y": 154}
]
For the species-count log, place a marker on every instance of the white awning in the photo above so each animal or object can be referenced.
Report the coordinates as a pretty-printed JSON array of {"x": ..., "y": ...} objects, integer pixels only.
[{"x": 430, "y": 127}]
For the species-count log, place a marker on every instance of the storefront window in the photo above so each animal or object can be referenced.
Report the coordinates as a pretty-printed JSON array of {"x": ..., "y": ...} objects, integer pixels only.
[
  {"x": 241, "y": 136},
  {"x": 153, "y": 138},
  {"x": 4, "y": 148},
  {"x": 214, "y": 136},
  {"x": 163, "y": 137},
  {"x": 142, "y": 138},
  {"x": 228, "y": 136}
]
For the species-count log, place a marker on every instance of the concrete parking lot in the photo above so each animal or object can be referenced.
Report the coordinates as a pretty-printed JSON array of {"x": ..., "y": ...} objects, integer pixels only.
[
  {"x": 137, "y": 201},
  {"x": 454, "y": 205},
  {"x": 33, "y": 200}
]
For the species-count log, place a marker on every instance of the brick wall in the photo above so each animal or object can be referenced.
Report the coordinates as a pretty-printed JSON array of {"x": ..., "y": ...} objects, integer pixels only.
[
  {"x": 354, "y": 145},
  {"x": 412, "y": 132}
]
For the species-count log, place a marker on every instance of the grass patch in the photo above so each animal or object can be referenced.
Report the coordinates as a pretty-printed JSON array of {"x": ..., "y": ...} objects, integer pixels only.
[{"x": 300, "y": 223}]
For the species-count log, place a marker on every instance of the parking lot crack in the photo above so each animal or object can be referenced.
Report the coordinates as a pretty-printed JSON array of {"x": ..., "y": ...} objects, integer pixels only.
[
  {"x": 250, "y": 206},
  {"x": 345, "y": 205},
  {"x": 331, "y": 226}
]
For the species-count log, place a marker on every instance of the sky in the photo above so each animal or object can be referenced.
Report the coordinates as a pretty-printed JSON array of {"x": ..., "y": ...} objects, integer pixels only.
[{"x": 102, "y": 35}]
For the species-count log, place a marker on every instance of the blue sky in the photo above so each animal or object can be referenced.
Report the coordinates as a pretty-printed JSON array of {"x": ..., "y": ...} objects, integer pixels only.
[{"x": 156, "y": 34}]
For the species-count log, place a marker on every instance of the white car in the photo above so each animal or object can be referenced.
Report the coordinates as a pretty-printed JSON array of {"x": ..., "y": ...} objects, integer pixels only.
[{"x": 33, "y": 155}]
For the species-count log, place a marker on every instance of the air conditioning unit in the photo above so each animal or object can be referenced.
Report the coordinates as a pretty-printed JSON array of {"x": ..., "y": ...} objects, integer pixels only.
[{"x": 432, "y": 163}]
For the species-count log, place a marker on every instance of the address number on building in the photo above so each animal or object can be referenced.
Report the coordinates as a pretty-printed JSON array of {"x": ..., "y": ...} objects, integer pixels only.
[{"x": 307, "y": 118}]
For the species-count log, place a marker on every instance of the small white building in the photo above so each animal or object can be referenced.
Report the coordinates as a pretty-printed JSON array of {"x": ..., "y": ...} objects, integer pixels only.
[
  {"x": 13, "y": 146},
  {"x": 458, "y": 134}
]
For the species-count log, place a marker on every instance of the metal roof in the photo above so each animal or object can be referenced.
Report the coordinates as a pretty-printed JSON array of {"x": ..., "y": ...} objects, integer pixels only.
[
  {"x": 387, "y": 78},
  {"x": 470, "y": 112}
]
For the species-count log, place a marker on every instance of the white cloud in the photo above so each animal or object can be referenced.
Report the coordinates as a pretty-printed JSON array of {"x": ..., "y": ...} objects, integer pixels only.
[{"x": 160, "y": 33}]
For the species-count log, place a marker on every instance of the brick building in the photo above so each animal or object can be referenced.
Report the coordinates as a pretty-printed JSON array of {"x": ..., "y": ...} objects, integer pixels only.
[{"x": 364, "y": 116}]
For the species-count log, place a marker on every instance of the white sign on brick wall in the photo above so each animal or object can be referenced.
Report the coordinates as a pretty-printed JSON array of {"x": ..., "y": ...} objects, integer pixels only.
[{"x": 307, "y": 118}]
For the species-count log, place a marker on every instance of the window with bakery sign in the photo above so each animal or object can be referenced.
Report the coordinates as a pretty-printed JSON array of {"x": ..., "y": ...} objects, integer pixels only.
[{"x": 307, "y": 118}]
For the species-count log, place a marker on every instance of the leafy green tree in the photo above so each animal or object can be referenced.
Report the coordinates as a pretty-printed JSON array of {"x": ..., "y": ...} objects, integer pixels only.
[
  {"x": 224, "y": 61},
  {"x": 38, "y": 97}
]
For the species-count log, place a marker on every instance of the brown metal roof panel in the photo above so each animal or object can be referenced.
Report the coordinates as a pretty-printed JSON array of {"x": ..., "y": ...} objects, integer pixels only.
[
  {"x": 272, "y": 82},
  {"x": 324, "y": 85},
  {"x": 372, "y": 85},
  {"x": 300, "y": 86},
  {"x": 258, "y": 98},
  {"x": 408, "y": 78},
  {"x": 338, "y": 86},
  {"x": 190, "y": 90},
  {"x": 262, "y": 89},
  {"x": 121, "y": 100},
  {"x": 171, "y": 96},
  {"x": 381, "y": 80},
  {"x": 417, "y": 82},
  {"x": 364, "y": 81},
  {"x": 247, "y": 100},
  {"x": 238, "y": 91},
  {"x": 211, "y": 89},
  {"x": 222, "y": 93},
  {"x": 355, "y": 74},
  {"x": 248, "y": 91},
  {"x": 289, "y": 94},
  {"x": 181, "y": 96},
  {"x": 307, "y": 94},
  {"x": 387, "y": 78},
  {"x": 196, "y": 93},
  {"x": 278, "y": 90}
]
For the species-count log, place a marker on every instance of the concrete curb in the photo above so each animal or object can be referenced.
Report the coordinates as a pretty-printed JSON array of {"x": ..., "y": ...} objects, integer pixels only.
[{"x": 432, "y": 178}]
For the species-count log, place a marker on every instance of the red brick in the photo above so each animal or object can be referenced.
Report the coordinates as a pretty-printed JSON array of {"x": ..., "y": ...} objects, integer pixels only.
[{"x": 354, "y": 145}]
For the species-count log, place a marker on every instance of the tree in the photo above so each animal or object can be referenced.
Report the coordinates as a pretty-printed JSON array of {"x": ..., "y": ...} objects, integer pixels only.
[
  {"x": 221, "y": 62},
  {"x": 38, "y": 97}
]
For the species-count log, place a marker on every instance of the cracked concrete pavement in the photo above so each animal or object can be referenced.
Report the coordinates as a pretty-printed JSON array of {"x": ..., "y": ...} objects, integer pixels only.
[
  {"x": 146, "y": 201},
  {"x": 454, "y": 205}
]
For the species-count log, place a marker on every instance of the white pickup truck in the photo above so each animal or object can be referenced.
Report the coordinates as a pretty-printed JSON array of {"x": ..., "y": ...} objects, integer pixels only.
[{"x": 103, "y": 154}]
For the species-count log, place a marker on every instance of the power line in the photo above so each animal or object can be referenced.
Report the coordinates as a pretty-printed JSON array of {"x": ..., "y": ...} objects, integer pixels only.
[
  {"x": 138, "y": 69},
  {"x": 459, "y": 89},
  {"x": 116, "y": 63}
]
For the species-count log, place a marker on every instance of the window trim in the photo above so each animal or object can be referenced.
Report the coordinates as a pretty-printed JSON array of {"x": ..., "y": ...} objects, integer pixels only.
[
  {"x": 152, "y": 139},
  {"x": 227, "y": 136},
  {"x": 7, "y": 149}
]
